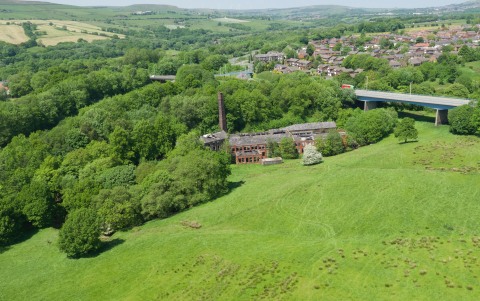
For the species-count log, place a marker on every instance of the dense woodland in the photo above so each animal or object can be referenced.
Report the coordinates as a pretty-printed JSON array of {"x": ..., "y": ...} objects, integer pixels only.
[{"x": 90, "y": 145}]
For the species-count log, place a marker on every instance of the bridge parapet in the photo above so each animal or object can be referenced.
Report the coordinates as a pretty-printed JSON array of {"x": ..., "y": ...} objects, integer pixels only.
[{"x": 441, "y": 104}]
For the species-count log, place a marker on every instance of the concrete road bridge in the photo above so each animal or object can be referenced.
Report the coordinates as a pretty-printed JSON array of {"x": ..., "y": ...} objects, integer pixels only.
[
  {"x": 163, "y": 78},
  {"x": 441, "y": 104}
]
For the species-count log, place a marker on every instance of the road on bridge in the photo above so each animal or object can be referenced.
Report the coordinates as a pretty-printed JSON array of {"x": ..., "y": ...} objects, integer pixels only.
[{"x": 441, "y": 104}]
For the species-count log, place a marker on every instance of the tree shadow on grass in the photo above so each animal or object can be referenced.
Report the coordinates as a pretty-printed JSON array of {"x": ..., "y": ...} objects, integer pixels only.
[
  {"x": 4, "y": 249},
  {"x": 23, "y": 236},
  {"x": 417, "y": 117},
  {"x": 234, "y": 185},
  {"x": 104, "y": 247},
  {"x": 409, "y": 141},
  {"x": 110, "y": 244}
]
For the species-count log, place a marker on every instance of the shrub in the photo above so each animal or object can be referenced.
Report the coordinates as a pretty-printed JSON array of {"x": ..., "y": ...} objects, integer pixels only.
[
  {"x": 461, "y": 120},
  {"x": 332, "y": 144},
  {"x": 311, "y": 156}
]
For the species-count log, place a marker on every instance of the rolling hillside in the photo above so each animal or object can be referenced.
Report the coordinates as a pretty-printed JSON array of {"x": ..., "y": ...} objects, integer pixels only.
[{"x": 386, "y": 222}]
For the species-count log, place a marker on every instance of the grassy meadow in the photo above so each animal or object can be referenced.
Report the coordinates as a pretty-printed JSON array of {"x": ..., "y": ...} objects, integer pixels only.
[
  {"x": 472, "y": 71},
  {"x": 385, "y": 222}
]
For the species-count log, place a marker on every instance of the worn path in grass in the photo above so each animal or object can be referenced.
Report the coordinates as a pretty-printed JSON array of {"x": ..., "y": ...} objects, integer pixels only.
[{"x": 386, "y": 222}]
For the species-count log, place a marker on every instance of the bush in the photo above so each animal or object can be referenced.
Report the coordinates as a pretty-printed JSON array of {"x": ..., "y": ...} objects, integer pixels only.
[
  {"x": 79, "y": 235},
  {"x": 371, "y": 126},
  {"x": 311, "y": 156},
  {"x": 331, "y": 145},
  {"x": 461, "y": 120}
]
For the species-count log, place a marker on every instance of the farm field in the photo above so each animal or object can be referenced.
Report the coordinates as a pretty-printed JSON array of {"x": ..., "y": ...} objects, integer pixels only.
[
  {"x": 13, "y": 34},
  {"x": 453, "y": 24},
  {"x": 54, "y": 36},
  {"x": 57, "y": 31},
  {"x": 385, "y": 222}
]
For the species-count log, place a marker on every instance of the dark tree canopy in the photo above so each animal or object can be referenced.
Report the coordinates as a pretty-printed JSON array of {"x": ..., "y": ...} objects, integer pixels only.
[
  {"x": 80, "y": 233},
  {"x": 464, "y": 120},
  {"x": 371, "y": 126}
]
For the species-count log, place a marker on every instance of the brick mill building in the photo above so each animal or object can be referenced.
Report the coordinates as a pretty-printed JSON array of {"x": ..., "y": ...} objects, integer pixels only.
[{"x": 252, "y": 147}]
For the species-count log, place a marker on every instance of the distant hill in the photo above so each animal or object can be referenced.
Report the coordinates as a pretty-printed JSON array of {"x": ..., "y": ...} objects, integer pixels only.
[{"x": 293, "y": 13}]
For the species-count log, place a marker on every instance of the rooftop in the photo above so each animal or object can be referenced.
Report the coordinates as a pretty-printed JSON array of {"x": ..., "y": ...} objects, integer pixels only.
[
  {"x": 218, "y": 136},
  {"x": 311, "y": 126},
  {"x": 251, "y": 139}
]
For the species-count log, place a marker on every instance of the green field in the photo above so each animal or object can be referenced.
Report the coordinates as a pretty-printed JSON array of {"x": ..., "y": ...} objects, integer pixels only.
[
  {"x": 472, "y": 70},
  {"x": 121, "y": 17},
  {"x": 386, "y": 222}
]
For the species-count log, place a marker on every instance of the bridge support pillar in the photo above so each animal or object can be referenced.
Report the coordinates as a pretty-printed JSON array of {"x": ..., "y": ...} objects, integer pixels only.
[
  {"x": 370, "y": 105},
  {"x": 441, "y": 117}
]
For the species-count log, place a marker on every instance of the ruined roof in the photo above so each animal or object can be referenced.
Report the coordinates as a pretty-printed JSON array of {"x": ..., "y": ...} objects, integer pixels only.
[
  {"x": 311, "y": 126},
  {"x": 299, "y": 138},
  {"x": 256, "y": 138},
  {"x": 209, "y": 138},
  {"x": 248, "y": 153}
]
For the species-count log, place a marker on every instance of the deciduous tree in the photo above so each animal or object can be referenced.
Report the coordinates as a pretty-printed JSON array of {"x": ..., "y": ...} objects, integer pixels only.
[
  {"x": 331, "y": 145},
  {"x": 288, "y": 149},
  {"x": 80, "y": 233},
  {"x": 406, "y": 129}
]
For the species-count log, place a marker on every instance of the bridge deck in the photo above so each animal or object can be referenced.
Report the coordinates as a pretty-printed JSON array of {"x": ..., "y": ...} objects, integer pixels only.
[
  {"x": 163, "y": 78},
  {"x": 411, "y": 98}
]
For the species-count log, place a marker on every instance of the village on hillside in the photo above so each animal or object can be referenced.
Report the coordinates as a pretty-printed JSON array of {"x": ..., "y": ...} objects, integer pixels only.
[{"x": 325, "y": 57}]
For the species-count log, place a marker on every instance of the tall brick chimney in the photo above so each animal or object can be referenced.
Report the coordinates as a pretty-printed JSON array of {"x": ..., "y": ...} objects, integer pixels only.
[{"x": 222, "y": 118}]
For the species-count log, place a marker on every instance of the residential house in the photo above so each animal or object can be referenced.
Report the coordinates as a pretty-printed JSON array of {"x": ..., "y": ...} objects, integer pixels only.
[{"x": 270, "y": 57}]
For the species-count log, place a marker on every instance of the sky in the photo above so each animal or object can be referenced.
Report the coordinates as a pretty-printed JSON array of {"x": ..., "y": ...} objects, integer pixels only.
[{"x": 260, "y": 4}]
